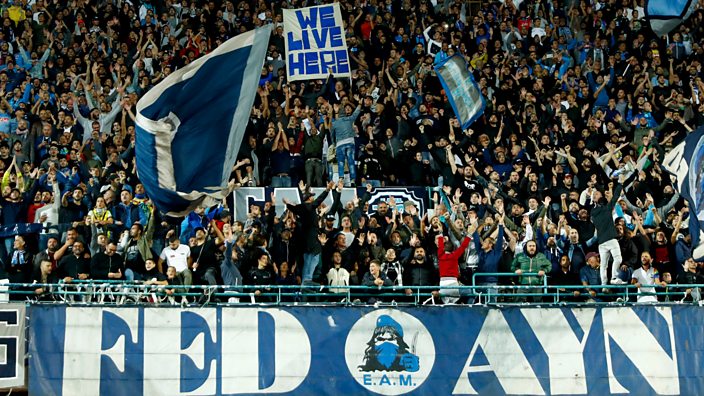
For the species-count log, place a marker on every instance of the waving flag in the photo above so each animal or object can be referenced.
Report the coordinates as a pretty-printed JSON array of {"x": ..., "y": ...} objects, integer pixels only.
[
  {"x": 463, "y": 93},
  {"x": 686, "y": 163},
  {"x": 665, "y": 15},
  {"x": 190, "y": 126}
]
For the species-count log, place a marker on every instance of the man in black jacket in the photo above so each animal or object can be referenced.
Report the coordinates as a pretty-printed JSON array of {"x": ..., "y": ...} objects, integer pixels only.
[
  {"x": 419, "y": 271},
  {"x": 76, "y": 265},
  {"x": 307, "y": 214},
  {"x": 107, "y": 265},
  {"x": 607, "y": 235}
]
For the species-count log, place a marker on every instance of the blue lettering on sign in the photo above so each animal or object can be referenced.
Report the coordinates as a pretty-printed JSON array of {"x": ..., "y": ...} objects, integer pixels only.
[
  {"x": 327, "y": 16},
  {"x": 324, "y": 36},
  {"x": 637, "y": 350},
  {"x": 192, "y": 377},
  {"x": 405, "y": 380},
  {"x": 308, "y": 21},
  {"x": 313, "y": 62},
  {"x": 8, "y": 369},
  {"x": 115, "y": 330}
]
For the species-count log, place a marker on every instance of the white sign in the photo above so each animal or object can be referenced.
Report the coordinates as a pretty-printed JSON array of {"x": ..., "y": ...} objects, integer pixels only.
[{"x": 315, "y": 43}]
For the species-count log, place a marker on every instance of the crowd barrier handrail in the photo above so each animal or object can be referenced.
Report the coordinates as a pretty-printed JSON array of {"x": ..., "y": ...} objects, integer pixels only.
[{"x": 116, "y": 292}]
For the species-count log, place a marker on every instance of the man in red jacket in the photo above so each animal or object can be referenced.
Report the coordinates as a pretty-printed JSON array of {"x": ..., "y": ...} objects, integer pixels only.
[{"x": 449, "y": 268}]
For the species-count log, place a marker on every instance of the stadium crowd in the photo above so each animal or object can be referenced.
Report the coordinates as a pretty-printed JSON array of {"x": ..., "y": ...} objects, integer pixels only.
[{"x": 560, "y": 176}]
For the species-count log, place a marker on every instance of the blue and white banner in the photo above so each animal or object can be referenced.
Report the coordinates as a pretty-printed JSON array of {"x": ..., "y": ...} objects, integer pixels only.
[
  {"x": 246, "y": 196},
  {"x": 12, "y": 345},
  {"x": 666, "y": 15},
  {"x": 642, "y": 350},
  {"x": 20, "y": 229},
  {"x": 315, "y": 43},
  {"x": 190, "y": 126},
  {"x": 686, "y": 163},
  {"x": 463, "y": 93}
]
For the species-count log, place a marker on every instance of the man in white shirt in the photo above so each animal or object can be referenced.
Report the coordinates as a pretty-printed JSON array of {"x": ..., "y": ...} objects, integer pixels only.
[
  {"x": 177, "y": 256},
  {"x": 646, "y": 275}
]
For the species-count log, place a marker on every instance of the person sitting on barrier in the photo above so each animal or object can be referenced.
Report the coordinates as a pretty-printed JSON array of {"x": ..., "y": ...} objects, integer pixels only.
[
  {"x": 448, "y": 263},
  {"x": 375, "y": 280},
  {"x": 531, "y": 261},
  {"x": 589, "y": 275},
  {"x": 45, "y": 275}
]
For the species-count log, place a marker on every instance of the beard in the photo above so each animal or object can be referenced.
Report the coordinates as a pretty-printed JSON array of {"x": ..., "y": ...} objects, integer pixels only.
[{"x": 386, "y": 353}]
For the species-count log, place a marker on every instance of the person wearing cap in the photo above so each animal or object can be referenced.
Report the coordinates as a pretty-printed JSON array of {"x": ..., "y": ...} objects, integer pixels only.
[
  {"x": 329, "y": 225},
  {"x": 589, "y": 276}
]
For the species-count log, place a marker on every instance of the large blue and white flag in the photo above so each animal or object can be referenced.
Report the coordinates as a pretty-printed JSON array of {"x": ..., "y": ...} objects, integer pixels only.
[
  {"x": 665, "y": 15},
  {"x": 190, "y": 126},
  {"x": 686, "y": 163},
  {"x": 463, "y": 93}
]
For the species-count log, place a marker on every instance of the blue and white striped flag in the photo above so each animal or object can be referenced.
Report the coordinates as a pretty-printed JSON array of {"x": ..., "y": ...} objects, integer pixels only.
[
  {"x": 462, "y": 92},
  {"x": 686, "y": 163},
  {"x": 665, "y": 15},
  {"x": 190, "y": 126}
]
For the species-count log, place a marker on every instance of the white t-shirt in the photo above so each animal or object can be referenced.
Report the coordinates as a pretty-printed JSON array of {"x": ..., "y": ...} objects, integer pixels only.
[
  {"x": 176, "y": 258},
  {"x": 645, "y": 278}
]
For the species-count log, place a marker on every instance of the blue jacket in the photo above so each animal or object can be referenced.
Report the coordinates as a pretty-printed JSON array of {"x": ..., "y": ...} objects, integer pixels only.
[{"x": 489, "y": 261}]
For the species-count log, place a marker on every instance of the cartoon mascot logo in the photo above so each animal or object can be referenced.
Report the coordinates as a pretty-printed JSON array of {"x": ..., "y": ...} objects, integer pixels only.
[
  {"x": 398, "y": 356},
  {"x": 387, "y": 350}
]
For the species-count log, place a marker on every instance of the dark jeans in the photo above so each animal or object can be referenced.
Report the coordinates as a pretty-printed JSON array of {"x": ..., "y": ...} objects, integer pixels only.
[{"x": 314, "y": 172}]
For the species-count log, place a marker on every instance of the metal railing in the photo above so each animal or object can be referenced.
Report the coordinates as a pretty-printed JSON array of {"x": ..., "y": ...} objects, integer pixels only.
[{"x": 136, "y": 293}]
